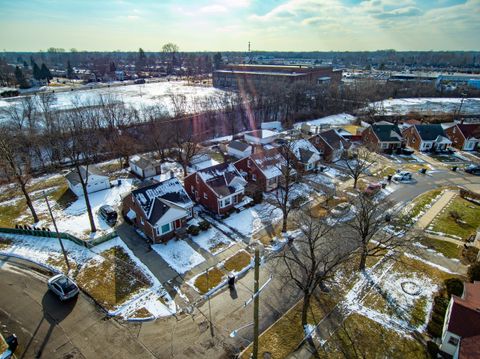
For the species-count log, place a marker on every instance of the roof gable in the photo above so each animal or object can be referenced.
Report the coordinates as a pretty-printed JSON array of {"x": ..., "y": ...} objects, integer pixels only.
[
  {"x": 156, "y": 199},
  {"x": 470, "y": 130},
  {"x": 224, "y": 179},
  {"x": 387, "y": 132},
  {"x": 429, "y": 132}
]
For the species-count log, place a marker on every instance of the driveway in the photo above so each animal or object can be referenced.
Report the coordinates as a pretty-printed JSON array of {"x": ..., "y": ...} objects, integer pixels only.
[
  {"x": 48, "y": 328},
  {"x": 149, "y": 257}
]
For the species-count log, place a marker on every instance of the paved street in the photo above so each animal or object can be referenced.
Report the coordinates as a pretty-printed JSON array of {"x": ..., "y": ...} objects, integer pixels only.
[{"x": 47, "y": 328}]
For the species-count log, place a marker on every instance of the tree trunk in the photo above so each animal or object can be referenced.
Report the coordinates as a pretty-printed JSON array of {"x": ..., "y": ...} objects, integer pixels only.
[
  {"x": 284, "y": 222},
  {"x": 305, "y": 308},
  {"x": 93, "y": 229},
  {"x": 29, "y": 201},
  {"x": 363, "y": 259},
  {"x": 355, "y": 180}
]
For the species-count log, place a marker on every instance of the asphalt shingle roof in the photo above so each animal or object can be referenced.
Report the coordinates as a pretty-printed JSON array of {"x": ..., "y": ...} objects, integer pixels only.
[
  {"x": 387, "y": 132},
  {"x": 430, "y": 132}
]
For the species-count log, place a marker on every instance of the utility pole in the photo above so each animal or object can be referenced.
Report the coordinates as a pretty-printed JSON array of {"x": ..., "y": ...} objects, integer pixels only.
[
  {"x": 56, "y": 230},
  {"x": 212, "y": 333},
  {"x": 256, "y": 304}
]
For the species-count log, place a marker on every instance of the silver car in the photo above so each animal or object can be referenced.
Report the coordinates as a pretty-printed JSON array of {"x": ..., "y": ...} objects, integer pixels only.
[{"x": 63, "y": 287}]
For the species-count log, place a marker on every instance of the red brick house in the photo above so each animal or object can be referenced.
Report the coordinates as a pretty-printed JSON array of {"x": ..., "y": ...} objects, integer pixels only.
[
  {"x": 461, "y": 328},
  {"x": 331, "y": 144},
  {"x": 465, "y": 137},
  {"x": 385, "y": 137},
  {"x": 159, "y": 210},
  {"x": 263, "y": 169},
  {"x": 429, "y": 137},
  {"x": 218, "y": 188}
]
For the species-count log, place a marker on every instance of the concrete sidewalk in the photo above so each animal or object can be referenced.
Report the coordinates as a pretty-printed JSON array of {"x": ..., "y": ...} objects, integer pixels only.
[{"x": 437, "y": 207}]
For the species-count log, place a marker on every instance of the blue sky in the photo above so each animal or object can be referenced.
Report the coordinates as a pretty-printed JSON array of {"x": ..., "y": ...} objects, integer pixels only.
[{"x": 297, "y": 25}]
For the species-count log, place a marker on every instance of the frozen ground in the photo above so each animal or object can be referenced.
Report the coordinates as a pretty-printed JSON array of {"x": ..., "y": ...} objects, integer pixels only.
[
  {"x": 137, "y": 96},
  {"x": 252, "y": 219},
  {"x": 393, "y": 306},
  {"x": 212, "y": 241},
  {"x": 74, "y": 219},
  {"x": 423, "y": 105},
  {"x": 179, "y": 255},
  {"x": 47, "y": 252}
]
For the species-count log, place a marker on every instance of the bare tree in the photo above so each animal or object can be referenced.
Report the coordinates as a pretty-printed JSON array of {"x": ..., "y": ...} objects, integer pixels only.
[
  {"x": 358, "y": 162},
  {"x": 81, "y": 143},
  {"x": 287, "y": 167},
  {"x": 313, "y": 258},
  {"x": 15, "y": 161},
  {"x": 376, "y": 227}
]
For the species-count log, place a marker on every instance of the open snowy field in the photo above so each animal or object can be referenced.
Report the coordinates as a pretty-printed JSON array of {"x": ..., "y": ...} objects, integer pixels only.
[
  {"x": 138, "y": 96},
  {"x": 423, "y": 105}
]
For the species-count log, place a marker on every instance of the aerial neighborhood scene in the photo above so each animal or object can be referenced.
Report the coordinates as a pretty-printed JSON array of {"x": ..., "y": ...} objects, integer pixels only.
[{"x": 240, "y": 179}]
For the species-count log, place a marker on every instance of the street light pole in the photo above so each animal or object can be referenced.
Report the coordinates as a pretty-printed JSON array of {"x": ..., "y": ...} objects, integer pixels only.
[
  {"x": 256, "y": 304},
  {"x": 56, "y": 230},
  {"x": 212, "y": 333}
]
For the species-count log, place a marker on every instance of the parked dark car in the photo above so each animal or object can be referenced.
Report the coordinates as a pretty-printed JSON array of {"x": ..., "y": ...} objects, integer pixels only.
[
  {"x": 108, "y": 214},
  {"x": 63, "y": 287},
  {"x": 473, "y": 170}
]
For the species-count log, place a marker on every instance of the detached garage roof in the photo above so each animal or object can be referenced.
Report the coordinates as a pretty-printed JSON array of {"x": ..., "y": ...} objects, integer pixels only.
[{"x": 74, "y": 178}]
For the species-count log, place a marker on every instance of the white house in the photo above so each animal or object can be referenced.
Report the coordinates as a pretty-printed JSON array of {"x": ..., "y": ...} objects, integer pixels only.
[
  {"x": 461, "y": 328},
  {"x": 96, "y": 180},
  {"x": 239, "y": 149},
  {"x": 145, "y": 167},
  {"x": 307, "y": 155},
  {"x": 260, "y": 137}
]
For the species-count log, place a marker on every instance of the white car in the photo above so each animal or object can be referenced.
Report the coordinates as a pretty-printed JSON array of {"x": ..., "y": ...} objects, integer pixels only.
[
  {"x": 63, "y": 287},
  {"x": 403, "y": 176}
]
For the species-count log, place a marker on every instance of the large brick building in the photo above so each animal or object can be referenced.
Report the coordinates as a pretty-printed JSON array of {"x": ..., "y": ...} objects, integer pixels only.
[{"x": 253, "y": 77}]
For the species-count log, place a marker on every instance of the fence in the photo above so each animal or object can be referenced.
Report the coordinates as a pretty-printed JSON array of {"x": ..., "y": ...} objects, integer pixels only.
[{"x": 48, "y": 234}]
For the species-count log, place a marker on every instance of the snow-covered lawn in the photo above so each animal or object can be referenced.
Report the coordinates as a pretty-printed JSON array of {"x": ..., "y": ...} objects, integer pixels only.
[
  {"x": 400, "y": 300},
  {"x": 98, "y": 272},
  {"x": 252, "y": 219},
  {"x": 321, "y": 179},
  {"x": 212, "y": 241},
  {"x": 74, "y": 218},
  {"x": 179, "y": 255}
]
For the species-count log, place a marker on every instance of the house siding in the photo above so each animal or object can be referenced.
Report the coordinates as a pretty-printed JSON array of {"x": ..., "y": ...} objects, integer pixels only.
[
  {"x": 413, "y": 138},
  {"x": 370, "y": 140},
  {"x": 456, "y": 136},
  {"x": 197, "y": 195},
  {"x": 141, "y": 221},
  {"x": 261, "y": 180}
]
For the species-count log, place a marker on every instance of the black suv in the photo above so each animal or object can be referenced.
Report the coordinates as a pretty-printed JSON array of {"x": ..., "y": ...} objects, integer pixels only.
[
  {"x": 473, "y": 170},
  {"x": 108, "y": 214}
]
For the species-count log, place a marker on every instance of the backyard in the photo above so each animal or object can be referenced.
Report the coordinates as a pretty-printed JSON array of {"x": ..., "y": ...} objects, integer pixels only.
[{"x": 460, "y": 219}]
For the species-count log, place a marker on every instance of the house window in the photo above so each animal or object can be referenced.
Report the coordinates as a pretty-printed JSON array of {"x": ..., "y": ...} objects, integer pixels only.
[
  {"x": 414, "y": 140},
  {"x": 453, "y": 341},
  {"x": 384, "y": 145},
  {"x": 226, "y": 202},
  {"x": 254, "y": 177},
  {"x": 141, "y": 221},
  {"x": 454, "y": 130},
  {"x": 205, "y": 195},
  {"x": 249, "y": 163},
  {"x": 165, "y": 228}
]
